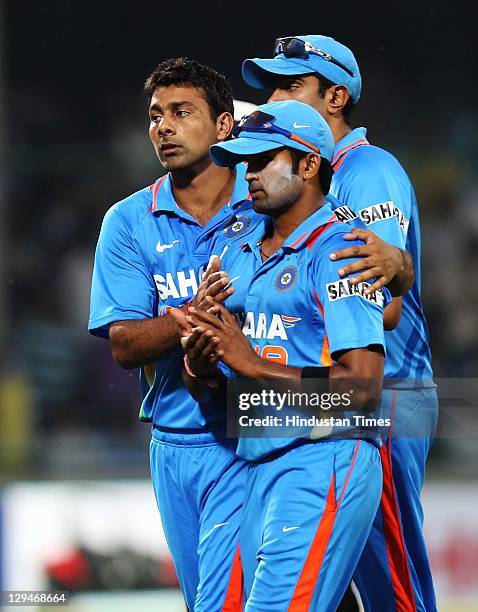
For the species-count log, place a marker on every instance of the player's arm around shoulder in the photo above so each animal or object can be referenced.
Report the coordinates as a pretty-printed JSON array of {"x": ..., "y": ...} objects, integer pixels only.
[{"x": 369, "y": 260}]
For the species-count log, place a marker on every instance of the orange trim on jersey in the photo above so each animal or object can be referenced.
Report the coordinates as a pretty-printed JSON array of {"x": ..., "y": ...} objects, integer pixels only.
[
  {"x": 339, "y": 163},
  {"x": 392, "y": 526},
  {"x": 235, "y": 590},
  {"x": 347, "y": 478},
  {"x": 151, "y": 188},
  {"x": 304, "y": 589},
  {"x": 312, "y": 236},
  {"x": 340, "y": 160},
  {"x": 312, "y": 239},
  {"x": 347, "y": 148},
  {"x": 154, "y": 191},
  {"x": 298, "y": 241},
  {"x": 325, "y": 356}
]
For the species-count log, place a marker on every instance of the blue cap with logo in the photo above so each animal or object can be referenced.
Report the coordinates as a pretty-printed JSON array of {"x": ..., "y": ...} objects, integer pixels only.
[
  {"x": 306, "y": 54},
  {"x": 275, "y": 125}
]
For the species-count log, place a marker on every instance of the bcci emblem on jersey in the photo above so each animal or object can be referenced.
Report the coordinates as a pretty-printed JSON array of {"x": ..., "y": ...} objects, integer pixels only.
[
  {"x": 286, "y": 278},
  {"x": 238, "y": 227}
]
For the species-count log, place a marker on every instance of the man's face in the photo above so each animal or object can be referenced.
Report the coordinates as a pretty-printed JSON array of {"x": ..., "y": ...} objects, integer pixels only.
[
  {"x": 272, "y": 185},
  {"x": 303, "y": 88},
  {"x": 181, "y": 127}
]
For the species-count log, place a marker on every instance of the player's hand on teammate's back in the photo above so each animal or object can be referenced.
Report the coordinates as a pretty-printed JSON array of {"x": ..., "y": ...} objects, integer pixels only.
[
  {"x": 379, "y": 259},
  {"x": 233, "y": 347},
  {"x": 213, "y": 284}
]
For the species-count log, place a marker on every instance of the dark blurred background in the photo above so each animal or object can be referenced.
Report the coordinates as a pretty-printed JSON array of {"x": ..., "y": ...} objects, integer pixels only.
[{"x": 73, "y": 128}]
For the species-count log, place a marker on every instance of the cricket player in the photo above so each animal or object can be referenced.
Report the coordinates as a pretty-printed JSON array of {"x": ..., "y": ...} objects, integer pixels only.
[
  {"x": 310, "y": 503},
  {"x": 394, "y": 572},
  {"x": 151, "y": 252}
]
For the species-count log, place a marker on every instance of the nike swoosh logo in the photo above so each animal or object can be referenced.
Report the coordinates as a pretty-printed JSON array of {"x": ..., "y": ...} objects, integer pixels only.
[
  {"x": 297, "y": 125},
  {"x": 162, "y": 247},
  {"x": 286, "y": 529},
  {"x": 220, "y": 524}
]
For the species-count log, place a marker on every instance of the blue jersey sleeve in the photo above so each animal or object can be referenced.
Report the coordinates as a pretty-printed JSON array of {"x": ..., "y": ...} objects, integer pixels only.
[
  {"x": 378, "y": 190},
  {"x": 352, "y": 319},
  {"x": 122, "y": 287},
  {"x": 226, "y": 370}
]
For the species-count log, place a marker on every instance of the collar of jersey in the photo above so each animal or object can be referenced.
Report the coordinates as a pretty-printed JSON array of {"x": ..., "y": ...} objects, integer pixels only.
[
  {"x": 303, "y": 234},
  {"x": 163, "y": 197},
  {"x": 353, "y": 139}
]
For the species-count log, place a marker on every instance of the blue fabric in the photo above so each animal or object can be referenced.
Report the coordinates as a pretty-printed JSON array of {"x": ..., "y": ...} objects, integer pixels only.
[
  {"x": 150, "y": 256},
  {"x": 295, "y": 308},
  {"x": 199, "y": 483},
  {"x": 375, "y": 186},
  {"x": 286, "y": 500},
  {"x": 414, "y": 420}
]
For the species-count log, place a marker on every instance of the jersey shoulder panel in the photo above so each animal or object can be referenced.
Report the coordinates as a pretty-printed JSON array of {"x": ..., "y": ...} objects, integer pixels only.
[
  {"x": 333, "y": 235},
  {"x": 374, "y": 162},
  {"x": 133, "y": 209},
  {"x": 332, "y": 239}
]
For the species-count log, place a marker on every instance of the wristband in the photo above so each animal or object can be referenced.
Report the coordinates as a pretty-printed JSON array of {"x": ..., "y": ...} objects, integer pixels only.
[
  {"x": 187, "y": 367},
  {"x": 315, "y": 372}
]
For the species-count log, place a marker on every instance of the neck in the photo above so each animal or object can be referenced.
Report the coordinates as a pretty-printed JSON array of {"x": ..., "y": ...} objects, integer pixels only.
[
  {"x": 203, "y": 190},
  {"x": 285, "y": 223},
  {"x": 338, "y": 127}
]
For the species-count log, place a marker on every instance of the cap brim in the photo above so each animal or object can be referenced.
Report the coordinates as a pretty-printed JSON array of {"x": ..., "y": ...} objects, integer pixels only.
[
  {"x": 232, "y": 152},
  {"x": 261, "y": 73}
]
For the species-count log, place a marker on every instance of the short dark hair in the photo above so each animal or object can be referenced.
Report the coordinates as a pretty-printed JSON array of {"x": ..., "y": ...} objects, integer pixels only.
[
  {"x": 189, "y": 73},
  {"x": 325, "y": 171},
  {"x": 348, "y": 109}
]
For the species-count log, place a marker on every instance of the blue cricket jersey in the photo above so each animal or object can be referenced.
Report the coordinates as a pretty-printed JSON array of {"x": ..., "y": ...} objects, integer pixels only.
[
  {"x": 150, "y": 256},
  {"x": 295, "y": 308},
  {"x": 375, "y": 186}
]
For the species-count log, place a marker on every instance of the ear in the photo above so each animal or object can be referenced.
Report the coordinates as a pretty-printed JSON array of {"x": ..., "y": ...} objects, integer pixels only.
[
  {"x": 224, "y": 125},
  {"x": 311, "y": 165},
  {"x": 338, "y": 98}
]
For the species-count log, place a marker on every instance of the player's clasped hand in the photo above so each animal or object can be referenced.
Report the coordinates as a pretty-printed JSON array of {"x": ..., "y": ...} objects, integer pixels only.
[
  {"x": 379, "y": 260},
  {"x": 202, "y": 350},
  {"x": 224, "y": 336},
  {"x": 215, "y": 284}
]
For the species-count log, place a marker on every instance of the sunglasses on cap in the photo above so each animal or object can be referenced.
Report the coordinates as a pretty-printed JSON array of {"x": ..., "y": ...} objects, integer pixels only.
[
  {"x": 296, "y": 47},
  {"x": 263, "y": 122}
]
